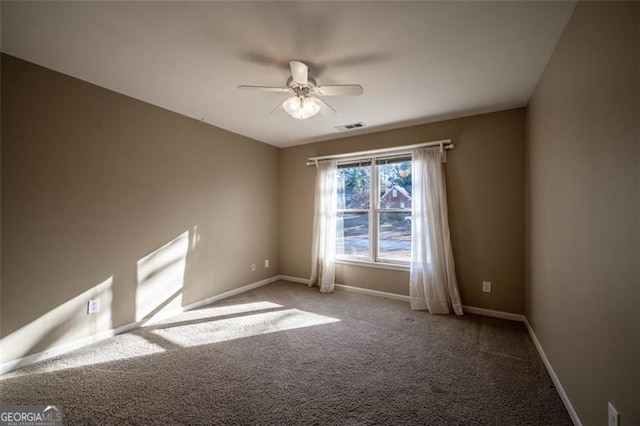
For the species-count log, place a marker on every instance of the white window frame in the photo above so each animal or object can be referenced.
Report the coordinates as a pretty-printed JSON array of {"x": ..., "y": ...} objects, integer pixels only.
[{"x": 373, "y": 217}]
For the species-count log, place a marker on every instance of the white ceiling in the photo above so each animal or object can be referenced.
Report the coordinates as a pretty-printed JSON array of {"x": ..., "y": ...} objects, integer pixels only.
[{"x": 418, "y": 61}]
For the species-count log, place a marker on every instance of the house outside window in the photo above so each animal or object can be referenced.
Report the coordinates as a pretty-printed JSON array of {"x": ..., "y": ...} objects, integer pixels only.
[{"x": 374, "y": 210}]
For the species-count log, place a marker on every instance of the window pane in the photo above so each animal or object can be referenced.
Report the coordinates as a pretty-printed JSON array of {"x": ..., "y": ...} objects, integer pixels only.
[
  {"x": 394, "y": 236},
  {"x": 353, "y": 234},
  {"x": 353, "y": 187},
  {"x": 395, "y": 185}
]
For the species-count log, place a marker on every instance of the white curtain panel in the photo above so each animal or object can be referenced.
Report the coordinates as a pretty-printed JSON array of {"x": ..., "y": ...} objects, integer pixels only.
[
  {"x": 433, "y": 283},
  {"x": 323, "y": 249}
]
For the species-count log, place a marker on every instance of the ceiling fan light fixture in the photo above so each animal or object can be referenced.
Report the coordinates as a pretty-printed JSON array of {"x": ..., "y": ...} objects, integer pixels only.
[{"x": 301, "y": 107}]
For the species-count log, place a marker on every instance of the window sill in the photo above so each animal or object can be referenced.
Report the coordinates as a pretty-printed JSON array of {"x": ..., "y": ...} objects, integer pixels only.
[{"x": 379, "y": 265}]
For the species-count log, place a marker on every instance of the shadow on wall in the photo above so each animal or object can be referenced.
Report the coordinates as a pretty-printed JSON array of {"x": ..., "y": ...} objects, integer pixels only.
[{"x": 160, "y": 279}]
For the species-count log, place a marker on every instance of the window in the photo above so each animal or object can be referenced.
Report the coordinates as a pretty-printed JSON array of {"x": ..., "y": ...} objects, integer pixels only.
[{"x": 374, "y": 210}]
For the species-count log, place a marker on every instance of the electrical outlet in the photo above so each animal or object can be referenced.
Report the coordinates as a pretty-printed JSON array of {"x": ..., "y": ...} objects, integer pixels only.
[
  {"x": 266, "y": 263},
  {"x": 253, "y": 266},
  {"x": 93, "y": 306},
  {"x": 614, "y": 417},
  {"x": 486, "y": 286}
]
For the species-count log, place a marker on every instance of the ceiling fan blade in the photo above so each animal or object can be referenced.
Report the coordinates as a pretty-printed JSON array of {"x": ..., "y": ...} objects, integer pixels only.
[
  {"x": 339, "y": 90},
  {"x": 299, "y": 72},
  {"x": 266, "y": 89},
  {"x": 325, "y": 108}
]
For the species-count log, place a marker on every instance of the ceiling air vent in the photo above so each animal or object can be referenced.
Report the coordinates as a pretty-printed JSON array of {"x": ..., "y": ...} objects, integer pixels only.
[{"x": 352, "y": 126}]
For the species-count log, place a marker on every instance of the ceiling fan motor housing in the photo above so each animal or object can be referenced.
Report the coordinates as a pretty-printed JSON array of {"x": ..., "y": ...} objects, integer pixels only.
[{"x": 311, "y": 83}]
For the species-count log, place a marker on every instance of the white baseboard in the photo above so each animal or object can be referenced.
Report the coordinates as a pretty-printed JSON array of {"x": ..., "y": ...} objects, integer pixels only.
[
  {"x": 494, "y": 314},
  {"x": 103, "y": 335},
  {"x": 554, "y": 377},
  {"x": 294, "y": 279},
  {"x": 235, "y": 291},
  {"x": 469, "y": 309}
]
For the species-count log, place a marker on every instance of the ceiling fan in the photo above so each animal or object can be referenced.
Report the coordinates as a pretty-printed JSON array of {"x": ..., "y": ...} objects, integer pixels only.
[{"x": 306, "y": 101}]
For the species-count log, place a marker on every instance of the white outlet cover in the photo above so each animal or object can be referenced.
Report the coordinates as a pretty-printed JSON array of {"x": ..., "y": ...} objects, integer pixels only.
[
  {"x": 253, "y": 266},
  {"x": 266, "y": 263},
  {"x": 486, "y": 286},
  {"x": 93, "y": 306},
  {"x": 614, "y": 417}
]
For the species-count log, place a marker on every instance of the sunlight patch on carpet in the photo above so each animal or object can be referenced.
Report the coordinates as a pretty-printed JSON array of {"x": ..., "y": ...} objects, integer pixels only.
[
  {"x": 219, "y": 311},
  {"x": 239, "y": 327},
  {"x": 126, "y": 346}
]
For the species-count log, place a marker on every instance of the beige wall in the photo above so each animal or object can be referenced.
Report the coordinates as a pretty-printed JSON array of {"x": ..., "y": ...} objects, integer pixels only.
[
  {"x": 93, "y": 182},
  {"x": 583, "y": 291},
  {"x": 485, "y": 180}
]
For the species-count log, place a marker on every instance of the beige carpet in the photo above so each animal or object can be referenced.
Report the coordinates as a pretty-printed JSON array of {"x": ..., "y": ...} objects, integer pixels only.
[{"x": 286, "y": 354}]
